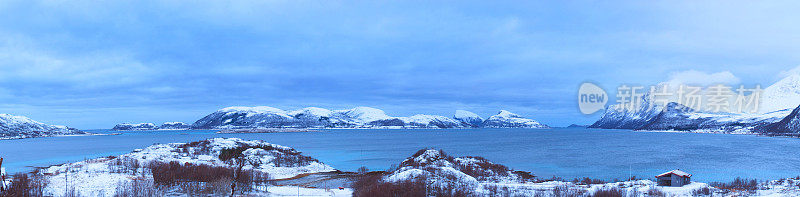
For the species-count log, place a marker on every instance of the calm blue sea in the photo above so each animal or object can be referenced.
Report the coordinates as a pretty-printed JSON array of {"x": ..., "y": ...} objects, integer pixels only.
[{"x": 563, "y": 152}]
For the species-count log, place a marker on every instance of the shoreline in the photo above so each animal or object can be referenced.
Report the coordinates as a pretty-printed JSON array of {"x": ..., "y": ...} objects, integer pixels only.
[{"x": 721, "y": 133}]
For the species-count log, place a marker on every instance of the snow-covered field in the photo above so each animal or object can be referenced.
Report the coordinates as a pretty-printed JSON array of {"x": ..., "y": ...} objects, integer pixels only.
[
  {"x": 102, "y": 176},
  {"x": 480, "y": 177}
]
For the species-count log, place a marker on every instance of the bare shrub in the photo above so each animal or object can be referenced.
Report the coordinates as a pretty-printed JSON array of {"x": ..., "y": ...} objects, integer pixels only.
[
  {"x": 450, "y": 188},
  {"x": 482, "y": 169},
  {"x": 655, "y": 192},
  {"x": 124, "y": 165},
  {"x": 197, "y": 147},
  {"x": 495, "y": 190},
  {"x": 174, "y": 172},
  {"x": 362, "y": 170},
  {"x": 705, "y": 191},
  {"x": 525, "y": 176},
  {"x": 553, "y": 178},
  {"x": 588, "y": 181},
  {"x": 372, "y": 185},
  {"x": 219, "y": 187},
  {"x": 287, "y": 157},
  {"x": 203, "y": 178},
  {"x": 20, "y": 186},
  {"x": 564, "y": 191},
  {"x": 38, "y": 183},
  {"x": 737, "y": 184},
  {"x": 609, "y": 192},
  {"x": 23, "y": 184},
  {"x": 71, "y": 192},
  {"x": 138, "y": 187}
]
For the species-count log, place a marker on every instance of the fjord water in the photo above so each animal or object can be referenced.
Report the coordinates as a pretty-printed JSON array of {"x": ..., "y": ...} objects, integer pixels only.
[{"x": 562, "y": 152}]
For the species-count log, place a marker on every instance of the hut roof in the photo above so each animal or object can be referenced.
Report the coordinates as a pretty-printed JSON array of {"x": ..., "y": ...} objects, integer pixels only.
[{"x": 675, "y": 172}]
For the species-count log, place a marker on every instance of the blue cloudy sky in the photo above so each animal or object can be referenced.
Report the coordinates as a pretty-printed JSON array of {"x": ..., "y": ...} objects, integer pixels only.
[{"x": 90, "y": 64}]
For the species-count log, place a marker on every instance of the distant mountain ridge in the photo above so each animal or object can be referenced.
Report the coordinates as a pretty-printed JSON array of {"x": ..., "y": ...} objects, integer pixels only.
[
  {"x": 681, "y": 118},
  {"x": 151, "y": 126},
  {"x": 359, "y": 117},
  {"x": 16, "y": 127},
  {"x": 780, "y": 115}
]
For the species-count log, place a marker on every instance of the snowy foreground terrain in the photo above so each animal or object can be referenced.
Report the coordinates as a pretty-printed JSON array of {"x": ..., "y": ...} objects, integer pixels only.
[
  {"x": 359, "y": 117},
  {"x": 109, "y": 175},
  {"x": 205, "y": 168},
  {"x": 475, "y": 176}
]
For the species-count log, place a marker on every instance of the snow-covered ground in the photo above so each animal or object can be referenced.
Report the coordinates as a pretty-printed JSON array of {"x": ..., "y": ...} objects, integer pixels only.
[
  {"x": 302, "y": 191},
  {"x": 483, "y": 178},
  {"x": 102, "y": 176}
]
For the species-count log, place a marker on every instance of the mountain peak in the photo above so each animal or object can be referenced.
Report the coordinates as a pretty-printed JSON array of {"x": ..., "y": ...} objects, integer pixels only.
[
  {"x": 256, "y": 109},
  {"x": 314, "y": 111},
  {"x": 506, "y": 119},
  {"x": 507, "y": 114},
  {"x": 468, "y": 118},
  {"x": 368, "y": 114},
  {"x": 465, "y": 114},
  {"x": 784, "y": 94}
]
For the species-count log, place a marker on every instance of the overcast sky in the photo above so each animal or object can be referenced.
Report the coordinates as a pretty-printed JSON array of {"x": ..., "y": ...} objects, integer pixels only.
[{"x": 90, "y": 64}]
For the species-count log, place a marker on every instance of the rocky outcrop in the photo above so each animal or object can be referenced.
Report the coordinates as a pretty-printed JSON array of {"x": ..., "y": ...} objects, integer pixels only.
[{"x": 789, "y": 124}]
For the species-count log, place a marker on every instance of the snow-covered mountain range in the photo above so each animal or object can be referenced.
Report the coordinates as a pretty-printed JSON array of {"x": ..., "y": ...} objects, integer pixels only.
[
  {"x": 359, "y": 117},
  {"x": 778, "y": 115},
  {"x": 151, "y": 126},
  {"x": 15, "y": 127}
]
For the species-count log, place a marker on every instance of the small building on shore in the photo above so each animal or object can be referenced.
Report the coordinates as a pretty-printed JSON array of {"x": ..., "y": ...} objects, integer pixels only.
[{"x": 675, "y": 178}]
